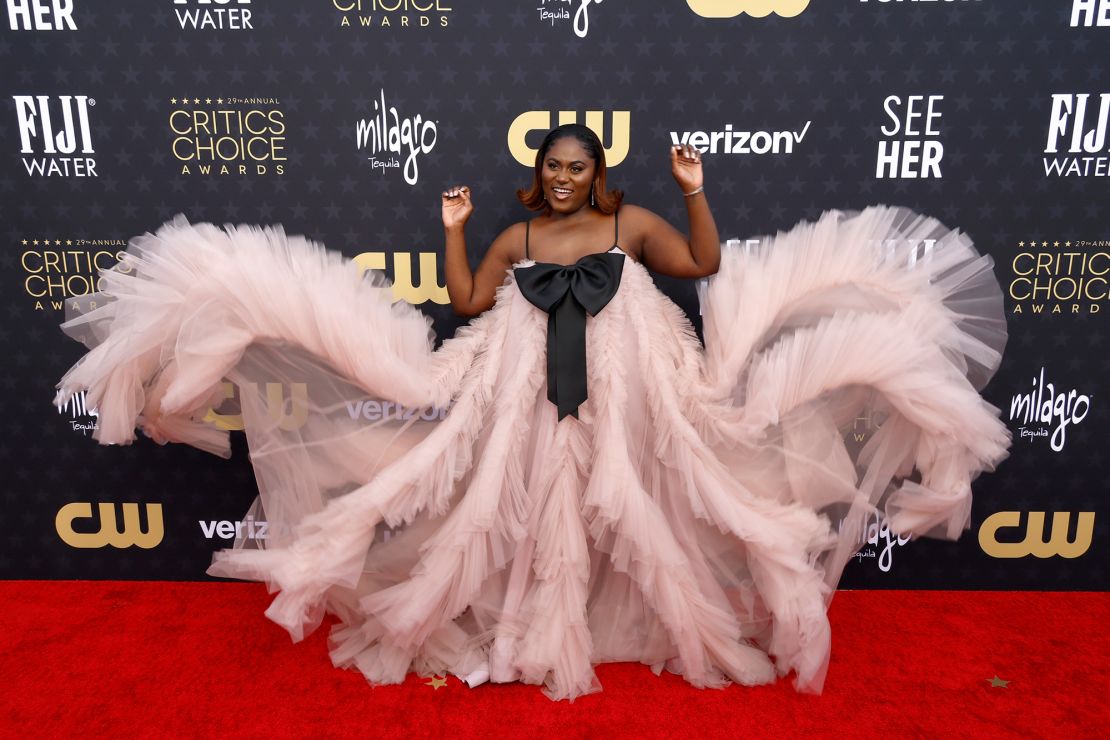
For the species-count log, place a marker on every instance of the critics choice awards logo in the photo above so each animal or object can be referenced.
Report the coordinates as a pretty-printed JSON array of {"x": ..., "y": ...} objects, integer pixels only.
[
  {"x": 228, "y": 135},
  {"x": 394, "y": 13},
  {"x": 58, "y": 269},
  {"x": 55, "y": 137},
  {"x": 1059, "y": 277},
  {"x": 388, "y": 138},
  {"x": 204, "y": 15}
]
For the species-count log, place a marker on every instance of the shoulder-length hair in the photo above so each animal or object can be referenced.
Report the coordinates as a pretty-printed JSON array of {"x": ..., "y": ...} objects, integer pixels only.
[{"x": 606, "y": 201}]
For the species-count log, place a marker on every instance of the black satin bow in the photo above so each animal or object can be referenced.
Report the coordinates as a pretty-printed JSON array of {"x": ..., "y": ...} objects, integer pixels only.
[{"x": 566, "y": 293}]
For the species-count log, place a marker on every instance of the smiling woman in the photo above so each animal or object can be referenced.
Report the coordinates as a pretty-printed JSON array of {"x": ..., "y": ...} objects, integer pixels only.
[{"x": 602, "y": 488}]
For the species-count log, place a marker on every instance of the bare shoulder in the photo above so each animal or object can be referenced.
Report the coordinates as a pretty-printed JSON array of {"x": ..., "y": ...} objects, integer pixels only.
[
  {"x": 635, "y": 223},
  {"x": 635, "y": 217},
  {"x": 509, "y": 244}
]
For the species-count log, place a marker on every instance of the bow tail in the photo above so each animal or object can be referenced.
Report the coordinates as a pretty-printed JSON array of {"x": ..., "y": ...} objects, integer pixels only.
[{"x": 566, "y": 356}]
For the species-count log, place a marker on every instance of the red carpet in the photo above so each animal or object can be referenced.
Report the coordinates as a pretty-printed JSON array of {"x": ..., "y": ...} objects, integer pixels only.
[{"x": 199, "y": 659}]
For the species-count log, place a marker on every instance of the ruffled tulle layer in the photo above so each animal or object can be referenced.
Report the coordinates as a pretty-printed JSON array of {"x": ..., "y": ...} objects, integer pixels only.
[{"x": 695, "y": 517}]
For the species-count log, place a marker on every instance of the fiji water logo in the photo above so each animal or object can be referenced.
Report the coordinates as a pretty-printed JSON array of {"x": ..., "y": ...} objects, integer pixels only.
[
  {"x": 55, "y": 137},
  {"x": 1044, "y": 412},
  {"x": 82, "y": 418},
  {"x": 388, "y": 137}
]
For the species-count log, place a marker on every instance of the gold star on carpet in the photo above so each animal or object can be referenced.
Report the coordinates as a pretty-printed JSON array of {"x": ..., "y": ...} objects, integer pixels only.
[
  {"x": 997, "y": 682},
  {"x": 437, "y": 683}
]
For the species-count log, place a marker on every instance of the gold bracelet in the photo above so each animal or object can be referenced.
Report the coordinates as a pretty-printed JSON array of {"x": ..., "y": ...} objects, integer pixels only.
[{"x": 700, "y": 189}]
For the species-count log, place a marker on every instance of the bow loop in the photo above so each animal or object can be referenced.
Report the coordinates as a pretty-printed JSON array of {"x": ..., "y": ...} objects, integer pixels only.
[{"x": 566, "y": 293}]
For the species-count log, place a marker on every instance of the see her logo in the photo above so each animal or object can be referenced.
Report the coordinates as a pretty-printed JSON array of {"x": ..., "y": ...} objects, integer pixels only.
[{"x": 755, "y": 8}]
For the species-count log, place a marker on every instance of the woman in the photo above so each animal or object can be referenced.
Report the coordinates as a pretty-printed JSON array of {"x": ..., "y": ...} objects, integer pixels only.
[
  {"x": 694, "y": 515},
  {"x": 570, "y": 190}
]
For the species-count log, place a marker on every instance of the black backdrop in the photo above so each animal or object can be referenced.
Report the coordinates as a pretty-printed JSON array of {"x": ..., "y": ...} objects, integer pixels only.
[{"x": 989, "y": 114}]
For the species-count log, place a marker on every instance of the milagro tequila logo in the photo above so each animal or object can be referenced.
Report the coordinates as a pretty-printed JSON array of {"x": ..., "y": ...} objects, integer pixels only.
[
  {"x": 875, "y": 538},
  {"x": 81, "y": 418},
  {"x": 388, "y": 137},
  {"x": 1043, "y": 408},
  {"x": 52, "y": 129},
  {"x": 559, "y": 11}
]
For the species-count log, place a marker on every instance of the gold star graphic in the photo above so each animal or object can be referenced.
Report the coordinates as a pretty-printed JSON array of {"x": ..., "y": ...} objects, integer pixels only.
[
  {"x": 173, "y": 101},
  {"x": 437, "y": 682},
  {"x": 997, "y": 682}
]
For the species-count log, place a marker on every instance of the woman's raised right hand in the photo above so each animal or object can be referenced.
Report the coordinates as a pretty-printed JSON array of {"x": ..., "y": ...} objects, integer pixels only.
[{"x": 456, "y": 206}]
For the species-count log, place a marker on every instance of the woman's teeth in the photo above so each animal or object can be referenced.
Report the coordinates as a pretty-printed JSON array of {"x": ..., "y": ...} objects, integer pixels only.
[{"x": 562, "y": 192}]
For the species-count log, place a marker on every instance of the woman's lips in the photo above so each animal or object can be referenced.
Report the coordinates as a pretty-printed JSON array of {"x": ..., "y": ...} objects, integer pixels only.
[{"x": 561, "y": 193}]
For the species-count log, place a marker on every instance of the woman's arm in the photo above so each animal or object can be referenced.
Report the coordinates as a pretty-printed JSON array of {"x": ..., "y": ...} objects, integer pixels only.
[
  {"x": 473, "y": 293},
  {"x": 664, "y": 249}
]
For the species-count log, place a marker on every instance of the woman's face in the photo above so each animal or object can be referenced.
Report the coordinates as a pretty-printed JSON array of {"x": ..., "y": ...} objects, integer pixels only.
[{"x": 566, "y": 174}]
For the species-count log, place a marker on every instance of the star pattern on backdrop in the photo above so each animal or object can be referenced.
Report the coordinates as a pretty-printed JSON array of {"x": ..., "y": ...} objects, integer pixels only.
[{"x": 833, "y": 65}]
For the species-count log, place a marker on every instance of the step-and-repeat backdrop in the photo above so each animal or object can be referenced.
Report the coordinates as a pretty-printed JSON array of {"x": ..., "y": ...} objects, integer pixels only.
[{"x": 344, "y": 120}]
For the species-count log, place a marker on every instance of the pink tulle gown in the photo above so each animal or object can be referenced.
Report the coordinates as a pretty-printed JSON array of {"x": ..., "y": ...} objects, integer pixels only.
[{"x": 694, "y": 514}]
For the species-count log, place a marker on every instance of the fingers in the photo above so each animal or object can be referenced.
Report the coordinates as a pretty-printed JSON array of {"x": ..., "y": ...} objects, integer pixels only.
[
  {"x": 459, "y": 191},
  {"x": 687, "y": 153}
]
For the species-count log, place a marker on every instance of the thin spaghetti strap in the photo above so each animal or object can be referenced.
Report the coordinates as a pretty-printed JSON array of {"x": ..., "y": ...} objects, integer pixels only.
[
  {"x": 616, "y": 228},
  {"x": 526, "y": 225}
]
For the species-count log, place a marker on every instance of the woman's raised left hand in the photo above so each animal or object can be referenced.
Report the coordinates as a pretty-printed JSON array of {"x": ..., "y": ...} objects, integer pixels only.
[{"x": 686, "y": 167}]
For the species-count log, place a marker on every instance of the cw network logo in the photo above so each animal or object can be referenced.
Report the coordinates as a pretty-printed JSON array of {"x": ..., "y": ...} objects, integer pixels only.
[
  {"x": 540, "y": 120},
  {"x": 1032, "y": 541},
  {"x": 289, "y": 414},
  {"x": 754, "y": 8},
  {"x": 107, "y": 530},
  {"x": 404, "y": 289}
]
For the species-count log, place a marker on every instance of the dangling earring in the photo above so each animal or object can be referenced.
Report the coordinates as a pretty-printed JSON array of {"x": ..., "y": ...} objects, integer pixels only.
[{"x": 591, "y": 193}]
